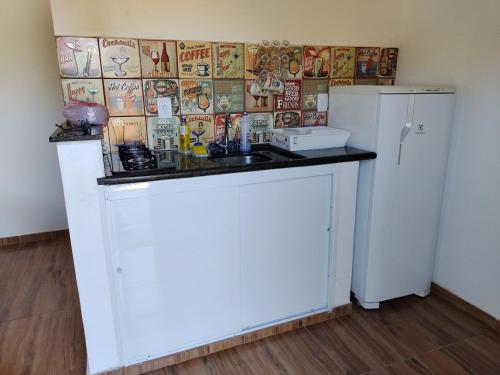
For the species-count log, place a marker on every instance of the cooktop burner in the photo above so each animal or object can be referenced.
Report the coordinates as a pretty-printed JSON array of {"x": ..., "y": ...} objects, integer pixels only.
[{"x": 136, "y": 156}]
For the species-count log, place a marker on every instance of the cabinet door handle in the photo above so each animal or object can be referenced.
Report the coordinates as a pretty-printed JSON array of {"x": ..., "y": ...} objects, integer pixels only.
[{"x": 407, "y": 126}]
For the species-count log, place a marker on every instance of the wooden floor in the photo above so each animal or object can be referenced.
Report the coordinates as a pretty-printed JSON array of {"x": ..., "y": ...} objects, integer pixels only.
[{"x": 41, "y": 332}]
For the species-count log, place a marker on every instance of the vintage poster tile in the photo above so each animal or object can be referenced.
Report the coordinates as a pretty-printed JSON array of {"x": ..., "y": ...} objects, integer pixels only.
[
  {"x": 125, "y": 130},
  {"x": 310, "y": 92},
  {"x": 316, "y": 62},
  {"x": 124, "y": 97},
  {"x": 341, "y": 82},
  {"x": 78, "y": 57},
  {"x": 366, "y": 81},
  {"x": 234, "y": 130},
  {"x": 343, "y": 62},
  {"x": 314, "y": 118},
  {"x": 367, "y": 59},
  {"x": 87, "y": 90},
  {"x": 201, "y": 128},
  {"x": 229, "y": 96},
  {"x": 287, "y": 119},
  {"x": 388, "y": 62},
  {"x": 159, "y": 88},
  {"x": 261, "y": 101},
  {"x": 162, "y": 133},
  {"x": 120, "y": 58},
  {"x": 386, "y": 81},
  {"x": 291, "y": 99},
  {"x": 294, "y": 66},
  {"x": 261, "y": 125},
  {"x": 228, "y": 60},
  {"x": 158, "y": 58},
  {"x": 251, "y": 61},
  {"x": 196, "y": 96},
  {"x": 194, "y": 59}
]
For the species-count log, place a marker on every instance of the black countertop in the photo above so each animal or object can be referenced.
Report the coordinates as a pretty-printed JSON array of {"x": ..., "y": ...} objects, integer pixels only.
[
  {"x": 173, "y": 165},
  {"x": 65, "y": 133}
]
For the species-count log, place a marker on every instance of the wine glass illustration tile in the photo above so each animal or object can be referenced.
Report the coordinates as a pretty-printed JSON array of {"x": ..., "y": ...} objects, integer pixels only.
[
  {"x": 124, "y": 97},
  {"x": 194, "y": 59},
  {"x": 78, "y": 57},
  {"x": 87, "y": 90},
  {"x": 120, "y": 58},
  {"x": 201, "y": 129},
  {"x": 161, "y": 88},
  {"x": 158, "y": 58},
  {"x": 196, "y": 96}
]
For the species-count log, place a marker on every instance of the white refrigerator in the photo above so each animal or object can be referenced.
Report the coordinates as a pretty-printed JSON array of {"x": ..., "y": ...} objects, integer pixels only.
[{"x": 400, "y": 192}]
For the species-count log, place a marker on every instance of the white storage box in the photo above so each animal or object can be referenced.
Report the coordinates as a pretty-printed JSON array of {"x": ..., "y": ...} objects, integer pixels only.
[{"x": 298, "y": 139}]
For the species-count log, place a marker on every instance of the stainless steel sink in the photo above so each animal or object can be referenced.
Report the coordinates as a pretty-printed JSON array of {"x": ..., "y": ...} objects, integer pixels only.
[{"x": 239, "y": 159}]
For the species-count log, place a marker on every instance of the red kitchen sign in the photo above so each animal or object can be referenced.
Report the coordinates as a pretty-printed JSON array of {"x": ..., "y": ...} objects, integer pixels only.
[{"x": 291, "y": 99}]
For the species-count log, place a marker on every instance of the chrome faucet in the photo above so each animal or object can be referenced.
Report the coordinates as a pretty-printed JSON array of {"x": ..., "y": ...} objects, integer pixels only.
[{"x": 227, "y": 125}]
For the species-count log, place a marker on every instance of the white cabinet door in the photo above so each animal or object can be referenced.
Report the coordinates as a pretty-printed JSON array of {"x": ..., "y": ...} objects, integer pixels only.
[
  {"x": 176, "y": 259},
  {"x": 284, "y": 248}
]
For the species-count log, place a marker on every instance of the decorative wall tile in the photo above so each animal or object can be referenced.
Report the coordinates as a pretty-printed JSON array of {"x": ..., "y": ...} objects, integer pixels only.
[
  {"x": 316, "y": 62},
  {"x": 294, "y": 70},
  {"x": 233, "y": 131},
  {"x": 201, "y": 128},
  {"x": 125, "y": 130},
  {"x": 287, "y": 119},
  {"x": 124, "y": 97},
  {"x": 120, "y": 58},
  {"x": 314, "y": 118},
  {"x": 261, "y": 125},
  {"x": 343, "y": 62},
  {"x": 366, "y": 81},
  {"x": 159, "y": 88},
  {"x": 251, "y": 61},
  {"x": 341, "y": 82},
  {"x": 196, "y": 96},
  {"x": 367, "y": 59},
  {"x": 158, "y": 58},
  {"x": 78, "y": 57},
  {"x": 291, "y": 99},
  {"x": 261, "y": 101},
  {"x": 386, "y": 81},
  {"x": 229, "y": 96},
  {"x": 310, "y": 92},
  {"x": 163, "y": 133},
  {"x": 228, "y": 60},
  {"x": 388, "y": 62},
  {"x": 87, "y": 90},
  {"x": 194, "y": 59}
]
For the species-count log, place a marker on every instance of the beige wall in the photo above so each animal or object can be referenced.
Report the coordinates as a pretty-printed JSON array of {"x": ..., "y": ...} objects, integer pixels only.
[
  {"x": 355, "y": 22},
  {"x": 458, "y": 42},
  {"x": 31, "y": 197}
]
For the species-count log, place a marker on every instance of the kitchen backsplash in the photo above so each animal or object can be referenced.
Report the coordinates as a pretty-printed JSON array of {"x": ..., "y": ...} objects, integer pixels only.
[{"x": 202, "y": 79}]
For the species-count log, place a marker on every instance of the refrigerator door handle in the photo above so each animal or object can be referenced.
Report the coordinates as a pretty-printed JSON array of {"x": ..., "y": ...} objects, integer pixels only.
[{"x": 408, "y": 125}]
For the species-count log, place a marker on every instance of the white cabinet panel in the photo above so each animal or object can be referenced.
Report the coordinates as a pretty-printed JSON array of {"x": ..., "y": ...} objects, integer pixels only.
[
  {"x": 176, "y": 259},
  {"x": 284, "y": 248}
]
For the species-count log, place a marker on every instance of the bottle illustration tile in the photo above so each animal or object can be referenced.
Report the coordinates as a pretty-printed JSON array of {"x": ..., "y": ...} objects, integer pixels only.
[
  {"x": 78, "y": 57},
  {"x": 87, "y": 90},
  {"x": 316, "y": 62},
  {"x": 343, "y": 62},
  {"x": 233, "y": 132},
  {"x": 194, "y": 59},
  {"x": 124, "y": 97},
  {"x": 228, "y": 60},
  {"x": 229, "y": 96},
  {"x": 388, "y": 62},
  {"x": 159, "y": 88},
  {"x": 120, "y": 58},
  {"x": 196, "y": 96},
  {"x": 201, "y": 129},
  {"x": 158, "y": 58}
]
